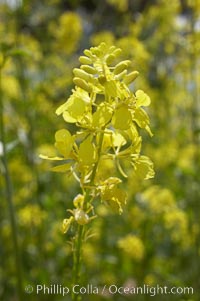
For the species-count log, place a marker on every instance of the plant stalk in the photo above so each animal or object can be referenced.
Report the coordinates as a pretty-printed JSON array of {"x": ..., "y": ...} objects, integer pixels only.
[
  {"x": 77, "y": 260},
  {"x": 9, "y": 199},
  {"x": 77, "y": 255}
]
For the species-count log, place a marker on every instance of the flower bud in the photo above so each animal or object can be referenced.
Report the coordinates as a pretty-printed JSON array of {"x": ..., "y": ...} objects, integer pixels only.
[
  {"x": 82, "y": 84},
  {"x": 87, "y": 52},
  {"x": 95, "y": 51},
  {"x": 82, "y": 74},
  {"x": 110, "y": 58},
  {"x": 102, "y": 46},
  {"x": 89, "y": 69},
  {"x": 85, "y": 60},
  {"x": 111, "y": 49},
  {"x": 129, "y": 78},
  {"x": 120, "y": 75},
  {"x": 121, "y": 67},
  {"x": 117, "y": 52},
  {"x": 78, "y": 200}
]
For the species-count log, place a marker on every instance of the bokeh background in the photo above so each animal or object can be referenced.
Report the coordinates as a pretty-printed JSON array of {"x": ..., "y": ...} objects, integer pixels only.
[{"x": 157, "y": 238}]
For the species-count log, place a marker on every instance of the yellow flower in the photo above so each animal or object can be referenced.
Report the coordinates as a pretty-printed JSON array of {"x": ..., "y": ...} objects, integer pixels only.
[
  {"x": 31, "y": 215},
  {"x": 67, "y": 223},
  {"x": 176, "y": 221},
  {"x": 106, "y": 115},
  {"x": 103, "y": 36},
  {"x": 10, "y": 87},
  {"x": 137, "y": 216},
  {"x": 132, "y": 246},
  {"x": 68, "y": 32},
  {"x": 159, "y": 199},
  {"x": 120, "y": 5}
]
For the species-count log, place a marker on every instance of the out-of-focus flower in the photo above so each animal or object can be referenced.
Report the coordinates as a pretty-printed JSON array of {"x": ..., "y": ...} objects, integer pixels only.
[
  {"x": 177, "y": 222},
  {"x": 68, "y": 32},
  {"x": 137, "y": 216},
  {"x": 158, "y": 199},
  {"x": 103, "y": 36},
  {"x": 31, "y": 215},
  {"x": 132, "y": 246},
  {"x": 120, "y": 5},
  {"x": 89, "y": 254}
]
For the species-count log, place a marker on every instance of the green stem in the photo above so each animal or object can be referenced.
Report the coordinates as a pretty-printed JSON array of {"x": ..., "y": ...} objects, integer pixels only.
[
  {"x": 77, "y": 260},
  {"x": 77, "y": 255},
  {"x": 98, "y": 156},
  {"x": 9, "y": 198}
]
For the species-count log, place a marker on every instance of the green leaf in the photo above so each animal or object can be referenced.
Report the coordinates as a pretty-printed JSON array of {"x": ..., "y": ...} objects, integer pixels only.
[{"x": 19, "y": 52}]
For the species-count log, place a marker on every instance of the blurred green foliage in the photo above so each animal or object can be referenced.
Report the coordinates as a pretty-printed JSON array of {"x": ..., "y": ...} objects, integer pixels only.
[{"x": 157, "y": 239}]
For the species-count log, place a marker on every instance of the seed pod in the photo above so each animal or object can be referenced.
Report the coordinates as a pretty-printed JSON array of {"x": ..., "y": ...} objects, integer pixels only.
[
  {"x": 121, "y": 67},
  {"x": 81, "y": 217},
  {"x": 82, "y": 74},
  {"x": 82, "y": 84},
  {"x": 89, "y": 69},
  {"x": 85, "y": 60},
  {"x": 129, "y": 78}
]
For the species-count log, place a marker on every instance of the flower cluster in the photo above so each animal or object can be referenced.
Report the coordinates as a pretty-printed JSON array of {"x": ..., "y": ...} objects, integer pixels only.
[
  {"x": 106, "y": 115},
  {"x": 132, "y": 246}
]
